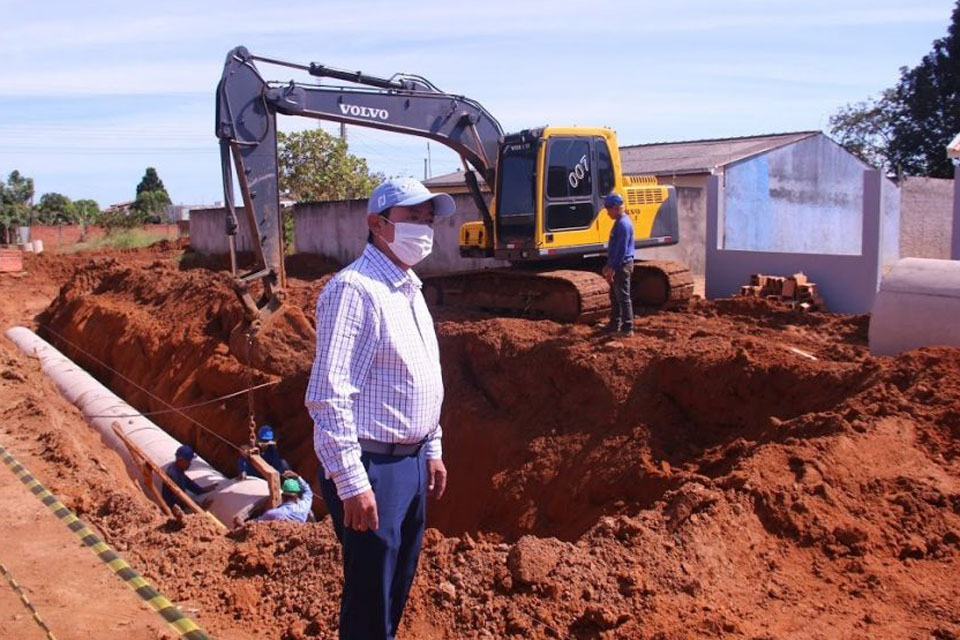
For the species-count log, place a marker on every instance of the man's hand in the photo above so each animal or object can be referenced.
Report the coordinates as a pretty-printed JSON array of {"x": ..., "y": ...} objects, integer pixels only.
[
  {"x": 608, "y": 274},
  {"x": 360, "y": 512},
  {"x": 436, "y": 478}
]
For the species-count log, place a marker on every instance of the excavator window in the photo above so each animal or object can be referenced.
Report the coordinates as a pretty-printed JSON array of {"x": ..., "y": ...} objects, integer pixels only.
[
  {"x": 570, "y": 194},
  {"x": 605, "y": 178},
  {"x": 516, "y": 197},
  {"x": 517, "y": 185}
]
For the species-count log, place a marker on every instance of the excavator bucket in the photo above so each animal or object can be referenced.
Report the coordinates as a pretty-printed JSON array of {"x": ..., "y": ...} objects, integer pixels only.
[{"x": 918, "y": 305}]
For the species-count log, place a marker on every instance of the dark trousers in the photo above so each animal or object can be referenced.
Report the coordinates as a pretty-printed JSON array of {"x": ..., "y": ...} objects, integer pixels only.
[
  {"x": 378, "y": 566},
  {"x": 621, "y": 306}
]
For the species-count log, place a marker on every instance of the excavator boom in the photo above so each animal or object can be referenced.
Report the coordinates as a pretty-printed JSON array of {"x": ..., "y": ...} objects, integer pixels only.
[{"x": 247, "y": 106}]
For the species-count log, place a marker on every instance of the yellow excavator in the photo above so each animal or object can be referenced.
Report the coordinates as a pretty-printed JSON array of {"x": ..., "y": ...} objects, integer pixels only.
[{"x": 546, "y": 216}]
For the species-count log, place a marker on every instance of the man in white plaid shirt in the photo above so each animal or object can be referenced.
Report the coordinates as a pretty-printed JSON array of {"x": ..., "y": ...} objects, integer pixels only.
[{"x": 374, "y": 395}]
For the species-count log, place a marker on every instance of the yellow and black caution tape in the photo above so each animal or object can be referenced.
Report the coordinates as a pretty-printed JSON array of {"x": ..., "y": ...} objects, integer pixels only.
[
  {"x": 26, "y": 602},
  {"x": 184, "y": 626}
]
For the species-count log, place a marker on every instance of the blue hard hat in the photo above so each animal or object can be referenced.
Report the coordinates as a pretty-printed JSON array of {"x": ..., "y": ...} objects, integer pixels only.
[
  {"x": 185, "y": 451},
  {"x": 613, "y": 200},
  {"x": 265, "y": 434}
]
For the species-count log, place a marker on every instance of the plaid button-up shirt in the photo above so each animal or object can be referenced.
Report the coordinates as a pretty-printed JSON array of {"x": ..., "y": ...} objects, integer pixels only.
[{"x": 376, "y": 374}]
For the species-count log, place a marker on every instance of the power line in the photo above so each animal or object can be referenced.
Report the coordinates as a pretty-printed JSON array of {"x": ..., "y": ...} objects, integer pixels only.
[{"x": 134, "y": 384}]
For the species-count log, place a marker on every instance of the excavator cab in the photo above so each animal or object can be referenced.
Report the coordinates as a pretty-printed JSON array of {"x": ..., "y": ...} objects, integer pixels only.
[{"x": 549, "y": 194}]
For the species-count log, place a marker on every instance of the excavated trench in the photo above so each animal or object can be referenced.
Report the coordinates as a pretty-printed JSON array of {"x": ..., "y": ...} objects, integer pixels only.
[{"x": 547, "y": 427}]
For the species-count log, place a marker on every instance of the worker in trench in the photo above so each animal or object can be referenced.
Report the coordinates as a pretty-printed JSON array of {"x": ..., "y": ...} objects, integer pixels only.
[
  {"x": 176, "y": 471},
  {"x": 297, "y": 502},
  {"x": 374, "y": 394},
  {"x": 619, "y": 268},
  {"x": 269, "y": 451}
]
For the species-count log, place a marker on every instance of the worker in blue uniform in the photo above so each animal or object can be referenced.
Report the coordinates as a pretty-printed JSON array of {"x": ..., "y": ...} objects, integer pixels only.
[
  {"x": 297, "y": 501},
  {"x": 619, "y": 268},
  {"x": 269, "y": 451},
  {"x": 176, "y": 471}
]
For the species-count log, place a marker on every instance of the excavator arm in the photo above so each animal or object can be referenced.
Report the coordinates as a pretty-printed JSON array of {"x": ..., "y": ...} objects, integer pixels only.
[{"x": 247, "y": 106}]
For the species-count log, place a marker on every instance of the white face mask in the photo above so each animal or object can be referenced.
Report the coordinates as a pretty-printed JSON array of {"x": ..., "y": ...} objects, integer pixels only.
[{"x": 411, "y": 242}]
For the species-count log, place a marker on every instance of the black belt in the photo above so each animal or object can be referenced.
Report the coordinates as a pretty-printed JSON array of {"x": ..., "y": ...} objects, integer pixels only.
[{"x": 387, "y": 449}]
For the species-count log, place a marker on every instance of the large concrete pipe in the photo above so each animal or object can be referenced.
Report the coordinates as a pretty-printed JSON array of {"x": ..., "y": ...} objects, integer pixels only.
[
  {"x": 101, "y": 407},
  {"x": 918, "y": 305}
]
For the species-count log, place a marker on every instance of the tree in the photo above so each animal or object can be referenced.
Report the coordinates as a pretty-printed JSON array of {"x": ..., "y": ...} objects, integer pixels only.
[
  {"x": 114, "y": 219},
  {"x": 151, "y": 204},
  {"x": 16, "y": 196},
  {"x": 18, "y": 188},
  {"x": 929, "y": 114},
  {"x": 151, "y": 182},
  {"x": 55, "y": 208},
  {"x": 86, "y": 211},
  {"x": 152, "y": 199},
  {"x": 866, "y": 129},
  {"x": 315, "y": 165},
  {"x": 909, "y": 127}
]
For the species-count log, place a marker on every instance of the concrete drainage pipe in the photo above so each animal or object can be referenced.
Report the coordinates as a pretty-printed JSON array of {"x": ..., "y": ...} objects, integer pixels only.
[
  {"x": 918, "y": 305},
  {"x": 101, "y": 407}
]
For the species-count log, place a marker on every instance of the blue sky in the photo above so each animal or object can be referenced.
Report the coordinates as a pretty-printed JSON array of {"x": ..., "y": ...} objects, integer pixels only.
[{"x": 90, "y": 97}]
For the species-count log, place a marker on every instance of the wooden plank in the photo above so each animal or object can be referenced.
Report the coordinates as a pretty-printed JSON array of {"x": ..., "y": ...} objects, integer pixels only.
[
  {"x": 177, "y": 491},
  {"x": 271, "y": 475},
  {"x": 148, "y": 481}
]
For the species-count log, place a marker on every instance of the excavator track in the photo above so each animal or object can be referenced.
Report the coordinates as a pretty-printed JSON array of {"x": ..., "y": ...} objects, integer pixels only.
[
  {"x": 562, "y": 295},
  {"x": 661, "y": 284}
]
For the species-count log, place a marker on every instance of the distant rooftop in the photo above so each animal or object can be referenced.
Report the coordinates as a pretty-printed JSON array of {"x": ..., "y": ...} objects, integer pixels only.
[
  {"x": 450, "y": 181},
  {"x": 701, "y": 156},
  {"x": 675, "y": 158}
]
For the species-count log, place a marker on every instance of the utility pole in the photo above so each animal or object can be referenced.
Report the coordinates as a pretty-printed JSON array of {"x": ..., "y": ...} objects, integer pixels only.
[
  {"x": 343, "y": 131},
  {"x": 425, "y": 169},
  {"x": 429, "y": 160}
]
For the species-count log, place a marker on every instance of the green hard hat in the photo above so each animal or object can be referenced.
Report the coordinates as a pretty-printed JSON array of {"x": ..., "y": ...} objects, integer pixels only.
[{"x": 290, "y": 485}]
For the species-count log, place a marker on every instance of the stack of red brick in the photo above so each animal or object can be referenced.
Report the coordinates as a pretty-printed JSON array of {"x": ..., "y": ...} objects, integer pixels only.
[{"x": 795, "y": 290}]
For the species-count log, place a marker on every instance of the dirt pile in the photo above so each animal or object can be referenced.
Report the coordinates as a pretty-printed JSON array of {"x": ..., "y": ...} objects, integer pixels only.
[{"x": 734, "y": 470}]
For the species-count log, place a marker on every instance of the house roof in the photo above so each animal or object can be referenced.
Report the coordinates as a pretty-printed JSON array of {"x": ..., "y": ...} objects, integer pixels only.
[
  {"x": 675, "y": 158},
  {"x": 701, "y": 156},
  {"x": 449, "y": 181}
]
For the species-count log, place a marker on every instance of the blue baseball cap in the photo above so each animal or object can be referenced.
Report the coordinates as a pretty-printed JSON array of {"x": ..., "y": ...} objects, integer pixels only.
[
  {"x": 613, "y": 200},
  {"x": 185, "y": 451},
  {"x": 265, "y": 433},
  {"x": 408, "y": 192}
]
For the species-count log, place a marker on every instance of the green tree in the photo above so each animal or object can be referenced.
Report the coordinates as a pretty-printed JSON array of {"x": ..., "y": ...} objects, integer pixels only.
[
  {"x": 866, "y": 128},
  {"x": 114, "y": 219},
  {"x": 151, "y": 204},
  {"x": 314, "y": 165},
  {"x": 908, "y": 128},
  {"x": 929, "y": 113},
  {"x": 151, "y": 182},
  {"x": 86, "y": 211},
  {"x": 16, "y": 196},
  {"x": 55, "y": 208},
  {"x": 152, "y": 199},
  {"x": 18, "y": 189}
]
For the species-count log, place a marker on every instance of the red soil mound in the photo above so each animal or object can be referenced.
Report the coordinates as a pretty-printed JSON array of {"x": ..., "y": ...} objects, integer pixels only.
[{"x": 736, "y": 470}]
